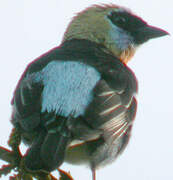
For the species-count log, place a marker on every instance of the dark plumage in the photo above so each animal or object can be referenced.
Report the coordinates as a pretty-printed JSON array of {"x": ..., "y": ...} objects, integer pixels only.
[{"x": 80, "y": 96}]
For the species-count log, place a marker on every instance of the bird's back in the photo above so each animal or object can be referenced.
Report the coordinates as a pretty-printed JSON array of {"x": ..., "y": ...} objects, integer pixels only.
[{"x": 82, "y": 93}]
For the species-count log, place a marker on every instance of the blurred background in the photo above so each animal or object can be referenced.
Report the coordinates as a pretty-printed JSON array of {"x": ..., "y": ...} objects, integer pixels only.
[{"x": 29, "y": 28}]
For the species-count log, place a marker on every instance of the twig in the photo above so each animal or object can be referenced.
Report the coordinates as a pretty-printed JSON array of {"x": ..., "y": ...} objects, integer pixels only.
[
  {"x": 15, "y": 162},
  {"x": 6, "y": 155}
]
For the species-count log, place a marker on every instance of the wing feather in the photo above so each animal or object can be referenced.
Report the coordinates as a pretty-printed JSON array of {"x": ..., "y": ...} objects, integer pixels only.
[{"x": 108, "y": 111}]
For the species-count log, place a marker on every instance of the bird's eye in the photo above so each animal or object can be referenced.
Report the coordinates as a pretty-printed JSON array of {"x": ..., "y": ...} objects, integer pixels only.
[
  {"x": 117, "y": 18},
  {"x": 120, "y": 20}
]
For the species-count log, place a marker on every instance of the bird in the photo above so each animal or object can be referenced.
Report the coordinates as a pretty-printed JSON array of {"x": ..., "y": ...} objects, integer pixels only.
[{"x": 77, "y": 102}]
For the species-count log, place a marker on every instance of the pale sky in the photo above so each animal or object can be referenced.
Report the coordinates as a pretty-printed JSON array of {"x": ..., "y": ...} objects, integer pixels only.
[{"x": 29, "y": 28}]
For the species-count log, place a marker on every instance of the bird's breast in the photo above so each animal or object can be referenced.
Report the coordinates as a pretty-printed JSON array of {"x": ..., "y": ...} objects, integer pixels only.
[{"x": 68, "y": 87}]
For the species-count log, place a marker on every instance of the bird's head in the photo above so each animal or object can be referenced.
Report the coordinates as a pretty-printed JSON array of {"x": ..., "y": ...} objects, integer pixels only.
[{"x": 114, "y": 27}]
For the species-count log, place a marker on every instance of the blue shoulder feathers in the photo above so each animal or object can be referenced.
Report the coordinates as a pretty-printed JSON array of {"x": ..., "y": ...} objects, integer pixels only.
[{"x": 68, "y": 87}]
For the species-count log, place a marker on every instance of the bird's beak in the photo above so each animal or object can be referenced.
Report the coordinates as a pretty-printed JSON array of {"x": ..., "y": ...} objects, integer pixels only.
[
  {"x": 153, "y": 32},
  {"x": 149, "y": 32}
]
